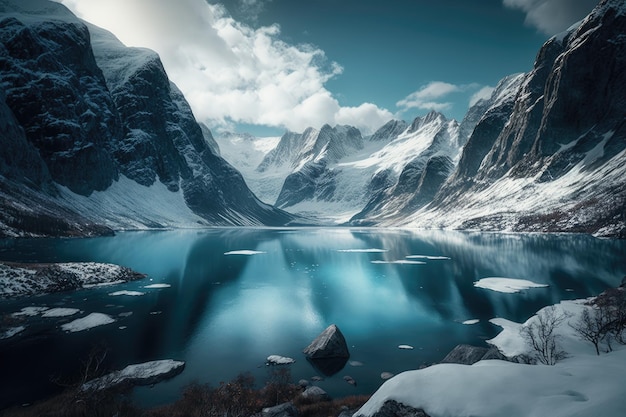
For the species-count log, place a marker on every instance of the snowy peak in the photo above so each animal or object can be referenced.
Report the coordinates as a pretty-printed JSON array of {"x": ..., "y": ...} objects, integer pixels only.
[
  {"x": 430, "y": 118},
  {"x": 390, "y": 130}
]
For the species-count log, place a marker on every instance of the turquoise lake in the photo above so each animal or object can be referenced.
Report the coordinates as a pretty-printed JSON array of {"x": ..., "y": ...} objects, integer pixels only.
[{"x": 225, "y": 313}]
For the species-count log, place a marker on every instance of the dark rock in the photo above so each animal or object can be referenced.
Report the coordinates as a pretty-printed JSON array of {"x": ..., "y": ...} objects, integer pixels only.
[
  {"x": 329, "y": 344},
  {"x": 349, "y": 380},
  {"x": 281, "y": 410},
  {"x": 315, "y": 393},
  {"x": 303, "y": 383},
  {"x": 392, "y": 408},
  {"x": 494, "y": 354},
  {"x": 465, "y": 354},
  {"x": 328, "y": 366}
]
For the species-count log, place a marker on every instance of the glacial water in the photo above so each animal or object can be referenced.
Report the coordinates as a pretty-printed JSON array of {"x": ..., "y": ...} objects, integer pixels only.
[{"x": 225, "y": 313}]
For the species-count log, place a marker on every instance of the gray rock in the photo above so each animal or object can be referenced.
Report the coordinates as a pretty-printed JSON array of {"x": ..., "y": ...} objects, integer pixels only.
[
  {"x": 329, "y": 344},
  {"x": 315, "y": 393},
  {"x": 281, "y": 410},
  {"x": 303, "y": 383},
  {"x": 494, "y": 353},
  {"x": 465, "y": 354},
  {"x": 393, "y": 408}
]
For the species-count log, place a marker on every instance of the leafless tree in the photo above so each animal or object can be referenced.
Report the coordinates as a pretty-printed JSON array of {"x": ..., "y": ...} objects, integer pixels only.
[{"x": 542, "y": 337}]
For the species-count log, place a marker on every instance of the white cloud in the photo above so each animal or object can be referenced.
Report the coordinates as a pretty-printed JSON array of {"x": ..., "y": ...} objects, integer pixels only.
[
  {"x": 424, "y": 98},
  {"x": 435, "y": 96},
  {"x": 229, "y": 71},
  {"x": 552, "y": 16},
  {"x": 482, "y": 94}
]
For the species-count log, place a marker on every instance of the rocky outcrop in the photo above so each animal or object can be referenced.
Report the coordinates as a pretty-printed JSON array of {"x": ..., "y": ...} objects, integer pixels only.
[
  {"x": 147, "y": 373},
  {"x": 469, "y": 355},
  {"x": 315, "y": 393},
  {"x": 392, "y": 408},
  {"x": 281, "y": 410},
  {"x": 27, "y": 279},
  {"x": 329, "y": 344}
]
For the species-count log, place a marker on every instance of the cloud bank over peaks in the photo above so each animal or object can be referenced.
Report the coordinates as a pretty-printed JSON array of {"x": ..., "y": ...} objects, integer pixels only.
[
  {"x": 231, "y": 72},
  {"x": 552, "y": 16},
  {"x": 435, "y": 96}
]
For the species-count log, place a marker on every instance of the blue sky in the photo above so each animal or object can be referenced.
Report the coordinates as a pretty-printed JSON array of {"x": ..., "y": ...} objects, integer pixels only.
[{"x": 264, "y": 66}]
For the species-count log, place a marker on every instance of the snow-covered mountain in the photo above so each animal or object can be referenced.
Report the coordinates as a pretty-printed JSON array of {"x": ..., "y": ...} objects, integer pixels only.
[
  {"x": 95, "y": 136},
  {"x": 246, "y": 152},
  {"x": 332, "y": 173},
  {"x": 554, "y": 157}
]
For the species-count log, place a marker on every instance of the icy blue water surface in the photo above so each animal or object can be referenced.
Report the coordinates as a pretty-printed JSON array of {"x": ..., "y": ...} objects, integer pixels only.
[{"x": 225, "y": 313}]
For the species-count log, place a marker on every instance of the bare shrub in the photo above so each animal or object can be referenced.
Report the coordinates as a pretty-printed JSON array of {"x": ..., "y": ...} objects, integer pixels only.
[{"x": 542, "y": 337}]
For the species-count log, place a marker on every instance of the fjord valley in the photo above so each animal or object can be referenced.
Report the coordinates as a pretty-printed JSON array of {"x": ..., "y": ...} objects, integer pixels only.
[{"x": 156, "y": 258}]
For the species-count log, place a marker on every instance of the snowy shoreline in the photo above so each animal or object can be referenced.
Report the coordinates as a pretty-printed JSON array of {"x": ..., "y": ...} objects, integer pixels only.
[
  {"x": 581, "y": 384},
  {"x": 29, "y": 279}
]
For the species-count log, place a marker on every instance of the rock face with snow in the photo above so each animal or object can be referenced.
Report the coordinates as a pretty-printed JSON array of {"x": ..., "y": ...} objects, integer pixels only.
[
  {"x": 329, "y": 344},
  {"x": 434, "y": 154},
  {"x": 553, "y": 156},
  {"x": 19, "y": 280},
  {"x": 86, "y": 114}
]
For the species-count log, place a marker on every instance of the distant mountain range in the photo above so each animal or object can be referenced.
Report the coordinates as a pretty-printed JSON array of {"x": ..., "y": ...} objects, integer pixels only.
[
  {"x": 546, "y": 152},
  {"x": 96, "y": 138}
]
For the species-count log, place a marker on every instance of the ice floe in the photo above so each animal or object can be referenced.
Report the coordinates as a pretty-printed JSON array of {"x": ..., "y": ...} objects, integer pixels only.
[
  {"x": 429, "y": 258},
  {"x": 60, "y": 312},
  {"x": 507, "y": 285},
  {"x": 400, "y": 262},
  {"x": 371, "y": 250},
  {"x": 12, "y": 332},
  {"x": 471, "y": 321},
  {"x": 157, "y": 286},
  {"x": 88, "y": 322},
  {"x": 244, "y": 252},
  {"x": 129, "y": 293},
  {"x": 405, "y": 347},
  {"x": 30, "y": 311}
]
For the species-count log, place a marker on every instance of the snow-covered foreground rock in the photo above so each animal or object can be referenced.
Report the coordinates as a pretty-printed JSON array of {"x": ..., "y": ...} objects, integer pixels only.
[
  {"x": 583, "y": 384},
  {"x": 146, "y": 373},
  {"x": 18, "y": 280}
]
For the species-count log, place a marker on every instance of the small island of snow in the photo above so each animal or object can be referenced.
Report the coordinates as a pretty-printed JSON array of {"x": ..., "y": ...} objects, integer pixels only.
[{"x": 507, "y": 285}]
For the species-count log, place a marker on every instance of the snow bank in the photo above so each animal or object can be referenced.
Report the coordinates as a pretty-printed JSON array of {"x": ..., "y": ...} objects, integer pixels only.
[
  {"x": 507, "y": 285},
  {"x": 88, "y": 322},
  {"x": 587, "y": 386},
  {"x": 147, "y": 373},
  {"x": 581, "y": 385}
]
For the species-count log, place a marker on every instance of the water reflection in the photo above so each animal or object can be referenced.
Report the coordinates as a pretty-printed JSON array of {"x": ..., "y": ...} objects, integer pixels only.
[{"x": 226, "y": 314}]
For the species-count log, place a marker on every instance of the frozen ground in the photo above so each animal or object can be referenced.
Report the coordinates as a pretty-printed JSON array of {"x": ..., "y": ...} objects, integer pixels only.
[
  {"x": 18, "y": 280},
  {"x": 583, "y": 384}
]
